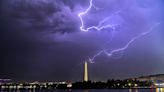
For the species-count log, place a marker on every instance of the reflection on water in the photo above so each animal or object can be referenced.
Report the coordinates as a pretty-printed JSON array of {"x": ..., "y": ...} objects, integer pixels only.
[
  {"x": 18, "y": 90},
  {"x": 133, "y": 90},
  {"x": 92, "y": 90},
  {"x": 86, "y": 91},
  {"x": 159, "y": 89}
]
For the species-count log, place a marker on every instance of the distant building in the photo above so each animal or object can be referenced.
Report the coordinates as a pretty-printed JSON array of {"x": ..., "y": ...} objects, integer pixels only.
[
  {"x": 154, "y": 78},
  {"x": 2, "y": 81},
  {"x": 85, "y": 71}
]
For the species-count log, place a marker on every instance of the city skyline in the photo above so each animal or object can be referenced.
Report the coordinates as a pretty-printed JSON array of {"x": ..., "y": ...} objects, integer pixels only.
[{"x": 49, "y": 40}]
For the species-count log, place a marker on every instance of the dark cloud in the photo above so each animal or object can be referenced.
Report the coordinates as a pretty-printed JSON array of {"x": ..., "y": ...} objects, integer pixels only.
[{"x": 42, "y": 16}]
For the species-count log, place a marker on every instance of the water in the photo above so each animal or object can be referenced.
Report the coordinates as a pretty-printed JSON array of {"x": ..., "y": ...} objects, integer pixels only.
[{"x": 93, "y": 90}]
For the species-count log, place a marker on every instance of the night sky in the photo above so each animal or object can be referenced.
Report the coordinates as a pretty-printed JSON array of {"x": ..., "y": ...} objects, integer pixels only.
[{"x": 41, "y": 39}]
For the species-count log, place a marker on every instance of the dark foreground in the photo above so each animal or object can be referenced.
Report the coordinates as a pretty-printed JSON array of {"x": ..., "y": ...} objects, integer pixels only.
[{"x": 91, "y": 90}]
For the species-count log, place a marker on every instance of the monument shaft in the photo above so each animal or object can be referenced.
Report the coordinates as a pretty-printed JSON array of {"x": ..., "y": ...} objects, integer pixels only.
[{"x": 85, "y": 71}]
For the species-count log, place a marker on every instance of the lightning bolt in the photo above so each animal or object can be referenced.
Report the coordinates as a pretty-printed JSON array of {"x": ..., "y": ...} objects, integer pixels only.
[
  {"x": 109, "y": 54},
  {"x": 101, "y": 25},
  {"x": 131, "y": 41}
]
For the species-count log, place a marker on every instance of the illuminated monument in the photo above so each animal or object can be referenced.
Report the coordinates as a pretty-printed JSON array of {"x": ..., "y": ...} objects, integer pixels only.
[{"x": 85, "y": 71}]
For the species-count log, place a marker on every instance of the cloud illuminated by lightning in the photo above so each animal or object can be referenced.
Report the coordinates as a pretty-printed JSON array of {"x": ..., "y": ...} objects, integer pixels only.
[
  {"x": 109, "y": 54},
  {"x": 131, "y": 41},
  {"x": 101, "y": 26}
]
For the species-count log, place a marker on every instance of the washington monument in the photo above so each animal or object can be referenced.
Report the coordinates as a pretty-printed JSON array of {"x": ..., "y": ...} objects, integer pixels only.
[{"x": 85, "y": 71}]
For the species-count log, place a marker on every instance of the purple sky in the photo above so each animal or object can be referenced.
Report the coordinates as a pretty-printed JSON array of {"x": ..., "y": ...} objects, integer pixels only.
[{"x": 41, "y": 39}]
